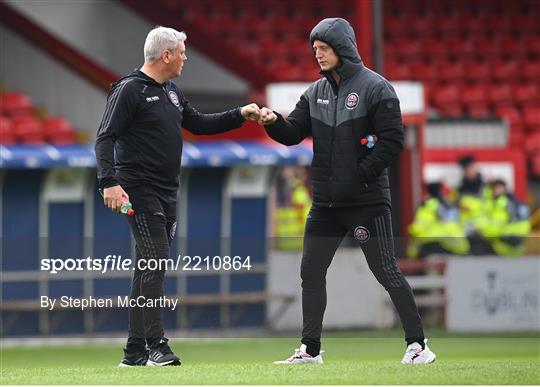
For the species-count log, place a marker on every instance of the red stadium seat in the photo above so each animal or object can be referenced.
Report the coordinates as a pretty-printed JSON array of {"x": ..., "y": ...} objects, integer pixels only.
[
  {"x": 472, "y": 25},
  {"x": 474, "y": 94},
  {"x": 526, "y": 93},
  {"x": 59, "y": 131},
  {"x": 397, "y": 71},
  {"x": 395, "y": 25},
  {"x": 533, "y": 46},
  {"x": 488, "y": 48},
  {"x": 505, "y": 71},
  {"x": 421, "y": 26},
  {"x": 499, "y": 23},
  {"x": 451, "y": 71},
  {"x": 535, "y": 164},
  {"x": 478, "y": 110},
  {"x": 424, "y": 72},
  {"x": 500, "y": 94},
  {"x": 433, "y": 49},
  {"x": 7, "y": 134},
  {"x": 476, "y": 71},
  {"x": 531, "y": 117},
  {"x": 16, "y": 104},
  {"x": 513, "y": 49},
  {"x": 517, "y": 137},
  {"x": 28, "y": 130},
  {"x": 530, "y": 70},
  {"x": 510, "y": 114},
  {"x": 447, "y": 100},
  {"x": 448, "y": 26},
  {"x": 404, "y": 48},
  {"x": 445, "y": 95},
  {"x": 532, "y": 143},
  {"x": 460, "y": 48}
]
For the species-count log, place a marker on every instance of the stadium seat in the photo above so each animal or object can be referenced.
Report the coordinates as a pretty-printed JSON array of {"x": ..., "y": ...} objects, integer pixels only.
[
  {"x": 531, "y": 117},
  {"x": 500, "y": 94},
  {"x": 59, "y": 131},
  {"x": 426, "y": 72},
  {"x": 505, "y": 71},
  {"x": 511, "y": 114},
  {"x": 500, "y": 23},
  {"x": 530, "y": 70},
  {"x": 478, "y": 110},
  {"x": 447, "y": 94},
  {"x": 535, "y": 164},
  {"x": 397, "y": 71},
  {"x": 448, "y": 26},
  {"x": 407, "y": 49},
  {"x": 7, "y": 135},
  {"x": 513, "y": 49},
  {"x": 474, "y": 94},
  {"x": 433, "y": 50},
  {"x": 487, "y": 48},
  {"x": 516, "y": 137},
  {"x": 460, "y": 49},
  {"x": 28, "y": 130},
  {"x": 451, "y": 71},
  {"x": 446, "y": 100},
  {"x": 16, "y": 104},
  {"x": 477, "y": 71},
  {"x": 526, "y": 93},
  {"x": 532, "y": 144},
  {"x": 533, "y": 45}
]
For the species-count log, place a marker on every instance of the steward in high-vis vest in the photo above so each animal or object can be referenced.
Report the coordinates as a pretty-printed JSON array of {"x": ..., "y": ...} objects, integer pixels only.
[
  {"x": 436, "y": 228},
  {"x": 474, "y": 195},
  {"x": 291, "y": 219},
  {"x": 508, "y": 222}
]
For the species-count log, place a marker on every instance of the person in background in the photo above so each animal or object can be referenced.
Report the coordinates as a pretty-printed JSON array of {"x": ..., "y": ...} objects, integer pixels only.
[
  {"x": 294, "y": 202},
  {"x": 436, "y": 228},
  {"x": 508, "y": 222},
  {"x": 473, "y": 197}
]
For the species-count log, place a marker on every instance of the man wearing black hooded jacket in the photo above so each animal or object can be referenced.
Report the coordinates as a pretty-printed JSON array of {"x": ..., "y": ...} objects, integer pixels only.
[{"x": 354, "y": 118}]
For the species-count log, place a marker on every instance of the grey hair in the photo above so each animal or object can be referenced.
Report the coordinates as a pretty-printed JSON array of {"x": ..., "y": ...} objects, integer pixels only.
[{"x": 161, "y": 39}]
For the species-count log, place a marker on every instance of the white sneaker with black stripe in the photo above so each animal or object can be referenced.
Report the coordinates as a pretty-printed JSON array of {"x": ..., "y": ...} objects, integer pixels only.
[
  {"x": 162, "y": 355},
  {"x": 415, "y": 354},
  {"x": 302, "y": 357}
]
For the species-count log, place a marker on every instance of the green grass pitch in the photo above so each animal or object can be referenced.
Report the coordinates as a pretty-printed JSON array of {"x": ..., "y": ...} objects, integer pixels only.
[{"x": 348, "y": 360}]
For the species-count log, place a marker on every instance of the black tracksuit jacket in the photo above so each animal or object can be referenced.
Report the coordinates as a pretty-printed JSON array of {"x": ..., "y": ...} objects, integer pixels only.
[
  {"x": 142, "y": 124},
  {"x": 345, "y": 172}
]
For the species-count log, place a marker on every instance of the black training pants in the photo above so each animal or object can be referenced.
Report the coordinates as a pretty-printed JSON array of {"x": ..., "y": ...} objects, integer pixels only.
[
  {"x": 372, "y": 228},
  {"x": 153, "y": 227}
]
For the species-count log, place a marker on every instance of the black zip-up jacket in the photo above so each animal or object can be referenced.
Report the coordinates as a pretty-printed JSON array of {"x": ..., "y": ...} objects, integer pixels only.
[
  {"x": 345, "y": 172},
  {"x": 142, "y": 123}
]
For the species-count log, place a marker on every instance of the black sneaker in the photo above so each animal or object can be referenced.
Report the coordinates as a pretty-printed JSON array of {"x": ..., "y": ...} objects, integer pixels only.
[
  {"x": 134, "y": 359},
  {"x": 162, "y": 355}
]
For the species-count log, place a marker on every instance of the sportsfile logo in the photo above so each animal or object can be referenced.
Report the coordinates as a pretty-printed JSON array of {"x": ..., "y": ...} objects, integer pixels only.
[
  {"x": 323, "y": 101},
  {"x": 152, "y": 99}
]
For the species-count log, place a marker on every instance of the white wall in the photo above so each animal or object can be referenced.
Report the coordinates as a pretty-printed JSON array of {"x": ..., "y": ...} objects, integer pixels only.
[
  {"x": 114, "y": 37},
  {"x": 354, "y": 297}
]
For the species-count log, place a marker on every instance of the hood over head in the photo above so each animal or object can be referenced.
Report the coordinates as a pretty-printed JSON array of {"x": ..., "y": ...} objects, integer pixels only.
[{"x": 339, "y": 34}]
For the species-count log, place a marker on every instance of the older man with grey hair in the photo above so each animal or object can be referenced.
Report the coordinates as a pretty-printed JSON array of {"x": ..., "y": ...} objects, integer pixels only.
[{"x": 138, "y": 154}]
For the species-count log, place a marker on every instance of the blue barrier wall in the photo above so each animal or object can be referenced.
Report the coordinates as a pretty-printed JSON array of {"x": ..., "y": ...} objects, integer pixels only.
[{"x": 108, "y": 233}]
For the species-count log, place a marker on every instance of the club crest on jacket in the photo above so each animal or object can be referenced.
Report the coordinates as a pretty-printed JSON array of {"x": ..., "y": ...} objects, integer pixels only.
[
  {"x": 352, "y": 101},
  {"x": 174, "y": 98},
  {"x": 361, "y": 234}
]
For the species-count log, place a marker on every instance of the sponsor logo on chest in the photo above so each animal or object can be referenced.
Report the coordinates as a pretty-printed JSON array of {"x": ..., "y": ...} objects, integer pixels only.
[
  {"x": 323, "y": 101},
  {"x": 152, "y": 99}
]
